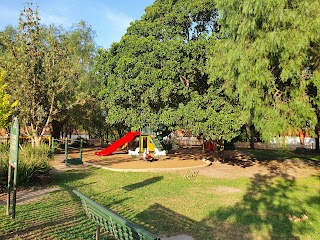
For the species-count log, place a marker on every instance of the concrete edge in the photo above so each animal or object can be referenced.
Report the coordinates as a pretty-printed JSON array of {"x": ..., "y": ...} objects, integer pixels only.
[{"x": 207, "y": 163}]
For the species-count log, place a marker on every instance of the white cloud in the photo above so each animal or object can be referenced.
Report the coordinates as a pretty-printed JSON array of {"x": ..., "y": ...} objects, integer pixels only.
[
  {"x": 119, "y": 21},
  {"x": 48, "y": 19}
]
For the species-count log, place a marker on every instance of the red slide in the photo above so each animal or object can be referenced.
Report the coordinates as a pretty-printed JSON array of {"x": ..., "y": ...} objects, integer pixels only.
[{"x": 115, "y": 145}]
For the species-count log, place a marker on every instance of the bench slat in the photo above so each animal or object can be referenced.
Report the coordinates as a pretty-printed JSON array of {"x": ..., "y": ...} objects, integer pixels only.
[{"x": 112, "y": 222}]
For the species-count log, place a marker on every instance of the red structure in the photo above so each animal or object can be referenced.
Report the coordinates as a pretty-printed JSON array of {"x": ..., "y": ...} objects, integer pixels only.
[{"x": 118, "y": 143}]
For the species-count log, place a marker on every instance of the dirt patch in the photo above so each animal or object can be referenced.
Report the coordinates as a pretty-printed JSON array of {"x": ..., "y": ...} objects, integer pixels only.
[
  {"x": 242, "y": 164},
  {"x": 236, "y": 164},
  {"x": 120, "y": 160},
  {"x": 227, "y": 189},
  {"x": 28, "y": 195}
]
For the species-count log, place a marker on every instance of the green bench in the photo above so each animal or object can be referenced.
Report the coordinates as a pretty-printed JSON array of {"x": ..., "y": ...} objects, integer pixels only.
[{"x": 113, "y": 223}]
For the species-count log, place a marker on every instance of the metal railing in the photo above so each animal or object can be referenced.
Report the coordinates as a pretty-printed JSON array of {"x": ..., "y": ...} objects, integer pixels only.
[{"x": 57, "y": 144}]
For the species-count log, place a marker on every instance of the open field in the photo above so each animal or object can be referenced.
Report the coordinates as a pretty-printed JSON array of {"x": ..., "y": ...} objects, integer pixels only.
[{"x": 246, "y": 197}]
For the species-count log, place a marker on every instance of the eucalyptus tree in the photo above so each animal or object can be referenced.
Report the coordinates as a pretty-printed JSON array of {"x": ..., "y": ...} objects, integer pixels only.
[
  {"x": 74, "y": 108},
  {"x": 45, "y": 67},
  {"x": 264, "y": 61},
  {"x": 28, "y": 59}
]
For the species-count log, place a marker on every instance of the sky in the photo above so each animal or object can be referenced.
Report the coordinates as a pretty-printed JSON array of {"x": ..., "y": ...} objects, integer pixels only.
[{"x": 108, "y": 18}]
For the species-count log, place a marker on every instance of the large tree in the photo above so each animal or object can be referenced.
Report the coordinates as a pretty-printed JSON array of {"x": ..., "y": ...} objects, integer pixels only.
[
  {"x": 80, "y": 104},
  {"x": 45, "y": 67},
  {"x": 262, "y": 59},
  {"x": 156, "y": 73}
]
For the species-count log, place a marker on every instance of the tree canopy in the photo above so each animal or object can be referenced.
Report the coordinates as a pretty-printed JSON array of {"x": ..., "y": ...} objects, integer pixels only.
[
  {"x": 46, "y": 68},
  {"x": 262, "y": 59},
  {"x": 156, "y": 73}
]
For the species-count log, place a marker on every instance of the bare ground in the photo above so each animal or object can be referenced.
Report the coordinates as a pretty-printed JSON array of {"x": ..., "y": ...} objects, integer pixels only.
[{"x": 236, "y": 163}]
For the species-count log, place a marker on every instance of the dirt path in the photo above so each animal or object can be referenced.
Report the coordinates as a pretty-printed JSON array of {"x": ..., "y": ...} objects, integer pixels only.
[
  {"x": 28, "y": 195},
  {"x": 242, "y": 164}
]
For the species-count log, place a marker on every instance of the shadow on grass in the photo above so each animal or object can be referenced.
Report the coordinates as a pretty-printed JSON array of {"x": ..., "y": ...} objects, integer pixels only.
[
  {"x": 267, "y": 210},
  {"x": 56, "y": 227},
  {"x": 71, "y": 179},
  {"x": 54, "y": 216},
  {"x": 163, "y": 221},
  {"x": 144, "y": 183},
  {"x": 58, "y": 215}
]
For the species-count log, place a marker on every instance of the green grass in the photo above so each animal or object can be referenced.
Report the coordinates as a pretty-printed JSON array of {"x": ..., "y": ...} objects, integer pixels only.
[{"x": 170, "y": 204}]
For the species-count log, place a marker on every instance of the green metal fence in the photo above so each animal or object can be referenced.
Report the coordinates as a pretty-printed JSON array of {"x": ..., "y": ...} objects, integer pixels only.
[{"x": 64, "y": 146}]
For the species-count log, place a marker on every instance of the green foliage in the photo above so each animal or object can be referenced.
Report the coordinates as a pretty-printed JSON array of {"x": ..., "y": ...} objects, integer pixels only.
[
  {"x": 33, "y": 162},
  {"x": 81, "y": 109},
  {"x": 156, "y": 73},
  {"x": 211, "y": 116},
  {"x": 263, "y": 59},
  {"x": 51, "y": 67},
  {"x": 6, "y": 107}
]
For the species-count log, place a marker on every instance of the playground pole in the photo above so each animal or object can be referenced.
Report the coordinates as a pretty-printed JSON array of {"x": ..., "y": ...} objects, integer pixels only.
[
  {"x": 66, "y": 150},
  {"x": 52, "y": 146},
  {"x": 202, "y": 148},
  {"x": 50, "y": 139},
  {"x": 81, "y": 144}
]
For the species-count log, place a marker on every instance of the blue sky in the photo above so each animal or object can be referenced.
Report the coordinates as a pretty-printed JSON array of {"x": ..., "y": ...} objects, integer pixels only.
[{"x": 108, "y": 18}]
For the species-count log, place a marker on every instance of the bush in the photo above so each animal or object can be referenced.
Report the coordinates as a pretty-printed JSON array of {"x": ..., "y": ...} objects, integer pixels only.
[{"x": 33, "y": 162}]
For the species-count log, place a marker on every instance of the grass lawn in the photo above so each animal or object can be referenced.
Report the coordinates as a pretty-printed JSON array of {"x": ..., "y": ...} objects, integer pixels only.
[{"x": 262, "y": 207}]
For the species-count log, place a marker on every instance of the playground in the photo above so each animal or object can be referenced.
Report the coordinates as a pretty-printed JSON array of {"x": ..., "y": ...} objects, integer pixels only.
[
  {"x": 237, "y": 163},
  {"x": 120, "y": 160},
  {"x": 126, "y": 154}
]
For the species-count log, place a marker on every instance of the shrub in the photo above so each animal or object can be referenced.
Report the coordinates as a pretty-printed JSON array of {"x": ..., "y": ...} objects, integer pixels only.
[{"x": 33, "y": 162}]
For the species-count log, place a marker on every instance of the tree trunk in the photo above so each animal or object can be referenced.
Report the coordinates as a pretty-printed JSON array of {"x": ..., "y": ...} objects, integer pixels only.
[
  {"x": 221, "y": 149},
  {"x": 202, "y": 148},
  {"x": 317, "y": 139},
  {"x": 252, "y": 137},
  {"x": 317, "y": 130},
  {"x": 301, "y": 136},
  {"x": 56, "y": 128},
  {"x": 36, "y": 141},
  {"x": 250, "y": 134}
]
